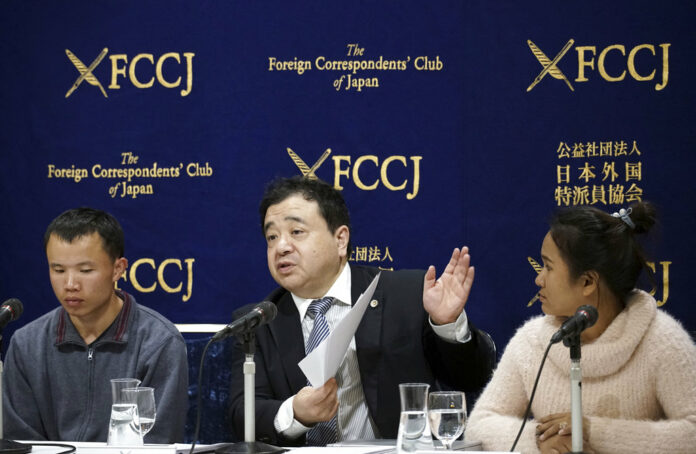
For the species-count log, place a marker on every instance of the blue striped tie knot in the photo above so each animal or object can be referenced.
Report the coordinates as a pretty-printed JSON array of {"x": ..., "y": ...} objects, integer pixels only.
[
  {"x": 317, "y": 310},
  {"x": 324, "y": 432}
]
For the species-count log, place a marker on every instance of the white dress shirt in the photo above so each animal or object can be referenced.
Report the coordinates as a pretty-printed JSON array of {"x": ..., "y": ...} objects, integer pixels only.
[{"x": 354, "y": 421}]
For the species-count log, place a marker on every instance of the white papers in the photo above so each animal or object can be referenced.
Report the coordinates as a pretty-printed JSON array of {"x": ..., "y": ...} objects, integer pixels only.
[
  {"x": 102, "y": 448},
  {"x": 345, "y": 450},
  {"x": 322, "y": 363}
]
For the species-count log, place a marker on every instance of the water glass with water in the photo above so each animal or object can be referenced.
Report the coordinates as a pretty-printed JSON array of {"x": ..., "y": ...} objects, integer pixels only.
[
  {"x": 414, "y": 433},
  {"x": 124, "y": 415},
  {"x": 447, "y": 415},
  {"x": 144, "y": 397}
]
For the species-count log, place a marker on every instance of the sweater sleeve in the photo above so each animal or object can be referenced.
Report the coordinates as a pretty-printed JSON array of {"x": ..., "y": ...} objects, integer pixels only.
[
  {"x": 21, "y": 416},
  {"x": 497, "y": 416},
  {"x": 166, "y": 370},
  {"x": 674, "y": 362}
]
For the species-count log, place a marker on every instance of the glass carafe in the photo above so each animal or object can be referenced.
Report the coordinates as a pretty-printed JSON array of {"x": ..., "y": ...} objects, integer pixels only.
[{"x": 124, "y": 425}]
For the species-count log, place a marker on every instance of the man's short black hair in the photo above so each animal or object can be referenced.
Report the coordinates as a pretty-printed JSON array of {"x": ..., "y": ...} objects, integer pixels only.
[
  {"x": 332, "y": 207},
  {"x": 80, "y": 222}
]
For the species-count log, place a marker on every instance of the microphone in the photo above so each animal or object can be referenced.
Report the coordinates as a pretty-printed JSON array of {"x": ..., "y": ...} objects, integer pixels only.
[
  {"x": 9, "y": 311},
  {"x": 260, "y": 314},
  {"x": 584, "y": 317}
]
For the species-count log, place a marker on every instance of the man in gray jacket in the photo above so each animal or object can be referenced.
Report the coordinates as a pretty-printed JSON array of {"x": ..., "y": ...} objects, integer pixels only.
[{"x": 58, "y": 367}]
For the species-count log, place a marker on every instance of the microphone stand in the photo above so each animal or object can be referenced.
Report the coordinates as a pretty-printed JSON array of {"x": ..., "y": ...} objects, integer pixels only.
[
  {"x": 249, "y": 445},
  {"x": 573, "y": 342}
]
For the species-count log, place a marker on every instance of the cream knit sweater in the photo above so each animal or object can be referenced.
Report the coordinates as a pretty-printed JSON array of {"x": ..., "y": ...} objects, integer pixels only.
[{"x": 638, "y": 390}]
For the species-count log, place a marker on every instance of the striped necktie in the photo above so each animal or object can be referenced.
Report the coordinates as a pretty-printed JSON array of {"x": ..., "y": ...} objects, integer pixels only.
[{"x": 324, "y": 432}]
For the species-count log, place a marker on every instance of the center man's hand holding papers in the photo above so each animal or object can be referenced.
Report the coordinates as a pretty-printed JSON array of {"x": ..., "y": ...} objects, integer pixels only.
[{"x": 322, "y": 363}]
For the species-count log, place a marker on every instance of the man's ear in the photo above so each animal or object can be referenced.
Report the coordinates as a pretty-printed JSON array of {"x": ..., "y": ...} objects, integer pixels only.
[
  {"x": 342, "y": 235},
  {"x": 120, "y": 266}
]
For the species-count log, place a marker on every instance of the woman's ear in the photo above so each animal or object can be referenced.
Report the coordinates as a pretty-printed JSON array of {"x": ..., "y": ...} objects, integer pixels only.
[{"x": 590, "y": 282}]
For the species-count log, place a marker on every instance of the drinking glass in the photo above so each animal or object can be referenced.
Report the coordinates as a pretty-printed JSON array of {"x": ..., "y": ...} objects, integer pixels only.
[
  {"x": 144, "y": 398},
  {"x": 447, "y": 415}
]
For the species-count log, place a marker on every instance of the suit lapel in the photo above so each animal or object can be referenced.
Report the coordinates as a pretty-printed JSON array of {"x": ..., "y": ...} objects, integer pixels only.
[
  {"x": 368, "y": 334},
  {"x": 286, "y": 331}
]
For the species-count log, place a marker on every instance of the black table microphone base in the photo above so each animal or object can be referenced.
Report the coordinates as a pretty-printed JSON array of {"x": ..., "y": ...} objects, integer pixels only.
[{"x": 12, "y": 447}]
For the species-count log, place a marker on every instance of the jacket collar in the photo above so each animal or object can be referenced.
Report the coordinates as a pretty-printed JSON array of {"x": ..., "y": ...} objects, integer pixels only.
[{"x": 117, "y": 332}]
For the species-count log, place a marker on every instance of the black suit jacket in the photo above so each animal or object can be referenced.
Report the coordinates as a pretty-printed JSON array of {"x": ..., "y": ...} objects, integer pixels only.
[{"x": 395, "y": 344}]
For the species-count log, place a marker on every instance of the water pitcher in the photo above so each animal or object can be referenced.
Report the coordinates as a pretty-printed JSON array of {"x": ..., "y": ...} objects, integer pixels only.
[
  {"x": 124, "y": 425},
  {"x": 414, "y": 431}
]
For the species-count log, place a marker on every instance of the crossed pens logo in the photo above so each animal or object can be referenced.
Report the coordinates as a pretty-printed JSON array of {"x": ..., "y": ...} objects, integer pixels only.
[
  {"x": 538, "y": 269},
  {"x": 549, "y": 66},
  {"x": 169, "y": 70},
  {"x": 612, "y": 63},
  {"x": 359, "y": 171},
  {"x": 86, "y": 72},
  {"x": 308, "y": 172}
]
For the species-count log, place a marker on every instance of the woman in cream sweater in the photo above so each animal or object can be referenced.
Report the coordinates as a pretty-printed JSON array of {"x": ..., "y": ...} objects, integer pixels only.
[{"x": 638, "y": 363}]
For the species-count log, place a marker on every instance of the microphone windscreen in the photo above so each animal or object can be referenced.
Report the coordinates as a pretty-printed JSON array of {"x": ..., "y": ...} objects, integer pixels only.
[
  {"x": 269, "y": 309},
  {"x": 15, "y": 307},
  {"x": 590, "y": 312}
]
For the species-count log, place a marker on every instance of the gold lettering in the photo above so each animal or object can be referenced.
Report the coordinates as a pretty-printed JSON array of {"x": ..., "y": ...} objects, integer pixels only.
[
  {"x": 134, "y": 280},
  {"x": 189, "y": 73},
  {"x": 338, "y": 171},
  {"x": 665, "y": 66},
  {"x": 665, "y": 281},
  {"x": 632, "y": 63},
  {"x": 131, "y": 71},
  {"x": 160, "y": 276},
  {"x": 600, "y": 63},
  {"x": 356, "y": 177},
  {"x": 189, "y": 282},
  {"x": 416, "y": 176},
  {"x": 582, "y": 63},
  {"x": 383, "y": 173},
  {"x": 158, "y": 70},
  {"x": 115, "y": 70}
]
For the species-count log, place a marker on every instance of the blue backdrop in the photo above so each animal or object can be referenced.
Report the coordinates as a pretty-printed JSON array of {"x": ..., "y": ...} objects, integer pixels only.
[{"x": 448, "y": 123}]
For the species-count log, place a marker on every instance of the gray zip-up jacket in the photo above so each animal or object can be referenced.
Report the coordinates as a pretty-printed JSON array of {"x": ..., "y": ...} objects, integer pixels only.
[{"x": 58, "y": 388}]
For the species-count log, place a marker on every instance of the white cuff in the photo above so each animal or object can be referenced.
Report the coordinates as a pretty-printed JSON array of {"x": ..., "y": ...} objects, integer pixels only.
[
  {"x": 457, "y": 332},
  {"x": 285, "y": 422}
]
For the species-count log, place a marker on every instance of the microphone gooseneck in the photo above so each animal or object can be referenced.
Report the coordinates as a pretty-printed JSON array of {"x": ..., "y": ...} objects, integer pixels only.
[{"x": 259, "y": 315}]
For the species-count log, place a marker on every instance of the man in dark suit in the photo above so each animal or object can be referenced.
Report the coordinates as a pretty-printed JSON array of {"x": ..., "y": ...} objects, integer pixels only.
[{"x": 414, "y": 329}]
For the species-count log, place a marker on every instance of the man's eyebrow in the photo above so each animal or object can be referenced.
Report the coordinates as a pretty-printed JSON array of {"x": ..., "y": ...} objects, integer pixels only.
[
  {"x": 295, "y": 218},
  {"x": 270, "y": 224},
  {"x": 86, "y": 262}
]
